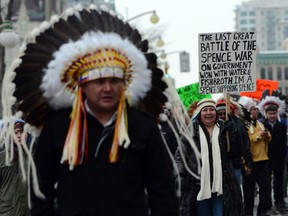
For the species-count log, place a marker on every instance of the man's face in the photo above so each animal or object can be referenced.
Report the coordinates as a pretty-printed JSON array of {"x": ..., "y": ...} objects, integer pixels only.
[
  {"x": 271, "y": 116},
  {"x": 103, "y": 95},
  {"x": 222, "y": 114}
]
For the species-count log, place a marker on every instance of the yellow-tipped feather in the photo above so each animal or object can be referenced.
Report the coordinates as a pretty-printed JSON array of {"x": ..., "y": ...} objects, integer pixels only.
[
  {"x": 119, "y": 135},
  {"x": 74, "y": 140}
]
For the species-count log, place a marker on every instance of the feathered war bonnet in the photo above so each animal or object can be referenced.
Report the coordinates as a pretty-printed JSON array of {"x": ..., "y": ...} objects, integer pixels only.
[
  {"x": 79, "y": 46},
  {"x": 275, "y": 101},
  {"x": 247, "y": 102}
]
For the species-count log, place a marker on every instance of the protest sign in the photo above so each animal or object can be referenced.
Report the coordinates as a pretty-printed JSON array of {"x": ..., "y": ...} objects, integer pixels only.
[
  {"x": 188, "y": 94},
  {"x": 261, "y": 85},
  {"x": 227, "y": 62}
]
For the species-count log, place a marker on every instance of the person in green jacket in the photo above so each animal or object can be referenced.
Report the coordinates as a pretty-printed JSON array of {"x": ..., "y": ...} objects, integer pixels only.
[{"x": 13, "y": 191}]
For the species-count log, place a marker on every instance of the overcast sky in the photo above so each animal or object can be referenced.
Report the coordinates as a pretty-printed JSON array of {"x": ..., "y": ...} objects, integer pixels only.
[{"x": 180, "y": 23}]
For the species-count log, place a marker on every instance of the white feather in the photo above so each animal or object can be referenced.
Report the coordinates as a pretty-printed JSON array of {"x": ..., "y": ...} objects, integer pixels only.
[{"x": 93, "y": 7}]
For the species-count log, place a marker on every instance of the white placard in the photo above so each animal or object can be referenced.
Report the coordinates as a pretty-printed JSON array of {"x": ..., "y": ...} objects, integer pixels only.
[{"x": 227, "y": 62}]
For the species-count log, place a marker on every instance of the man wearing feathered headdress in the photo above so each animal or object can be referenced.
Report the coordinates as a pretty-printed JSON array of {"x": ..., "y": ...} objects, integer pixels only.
[
  {"x": 82, "y": 81},
  {"x": 271, "y": 107}
]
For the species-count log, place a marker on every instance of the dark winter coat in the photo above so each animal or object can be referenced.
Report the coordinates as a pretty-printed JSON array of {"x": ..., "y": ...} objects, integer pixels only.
[
  {"x": 240, "y": 145},
  {"x": 101, "y": 188},
  {"x": 277, "y": 146},
  {"x": 13, "y": 191},
  {"x": 190, "y": 186}
]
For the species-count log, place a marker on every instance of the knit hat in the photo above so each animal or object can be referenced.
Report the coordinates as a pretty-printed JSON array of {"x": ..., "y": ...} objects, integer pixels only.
[
  {"x": 204, "y": 103},
  {"x": 19, "y": 124}
]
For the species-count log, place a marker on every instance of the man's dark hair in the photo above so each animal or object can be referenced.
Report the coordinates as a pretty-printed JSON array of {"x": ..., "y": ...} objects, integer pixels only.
[{"x": 271, "y": 108}]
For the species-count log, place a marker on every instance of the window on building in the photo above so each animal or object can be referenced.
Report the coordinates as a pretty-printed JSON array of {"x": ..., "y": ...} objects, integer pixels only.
[
  {"x": 251, "y": 13},
  {"x": 279, "y": 29},
  {"x": 243, "y": 22},
  {"x": 244, "y": 29},
  {"x": 270, "y": 73},
  {"x": 252, "y": 21},
  {"x": 262, "y": 73},
  {"x": 286, "y": 73},
  {"x": 252, "y": 29},
  {"x": 244, "y": 13},
  {"x": 279, "y": 73},
  {"x": 286, "y": 90}
]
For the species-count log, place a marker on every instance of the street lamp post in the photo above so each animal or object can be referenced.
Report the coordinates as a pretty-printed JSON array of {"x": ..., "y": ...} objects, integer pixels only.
[
  {"x": 4, "y": 29},
  {"x": 160, "y": 42},
  {"x": 184, "y": 60},
  {"x": 8, "y": 38},
  {"x": 153, "y": 19},
  {"x": 156, "y": 42}
]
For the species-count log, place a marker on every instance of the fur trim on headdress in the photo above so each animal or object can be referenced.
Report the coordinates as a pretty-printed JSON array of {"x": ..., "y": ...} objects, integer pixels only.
[{"x": 271, "y": 101}]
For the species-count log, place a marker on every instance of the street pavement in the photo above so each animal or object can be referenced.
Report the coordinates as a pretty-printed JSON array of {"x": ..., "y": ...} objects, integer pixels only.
[{"x": 273, "y": 211}]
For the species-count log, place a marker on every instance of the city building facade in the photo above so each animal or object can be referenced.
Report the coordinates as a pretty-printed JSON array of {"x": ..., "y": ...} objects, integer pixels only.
[
  {"x": 269, "y": 20},
  {"x": 29, "y": 14},
  {"x": 273, "y": 65}
]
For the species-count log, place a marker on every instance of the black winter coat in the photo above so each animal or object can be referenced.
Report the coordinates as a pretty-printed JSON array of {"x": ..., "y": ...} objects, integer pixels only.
[
  {"x": 277, "y": 146},
  {"x": 190, "y": 186},
  {"x": 101, "y": 188},
  {"x": 240, "y": 144}
]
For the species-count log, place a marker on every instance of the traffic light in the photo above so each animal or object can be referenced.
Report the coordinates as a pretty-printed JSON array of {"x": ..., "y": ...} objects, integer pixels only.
[{"x": 184, "y": 62}]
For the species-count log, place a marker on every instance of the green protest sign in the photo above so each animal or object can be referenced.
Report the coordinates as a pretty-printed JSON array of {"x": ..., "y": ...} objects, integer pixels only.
[{"x": 188, "y": 94}]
